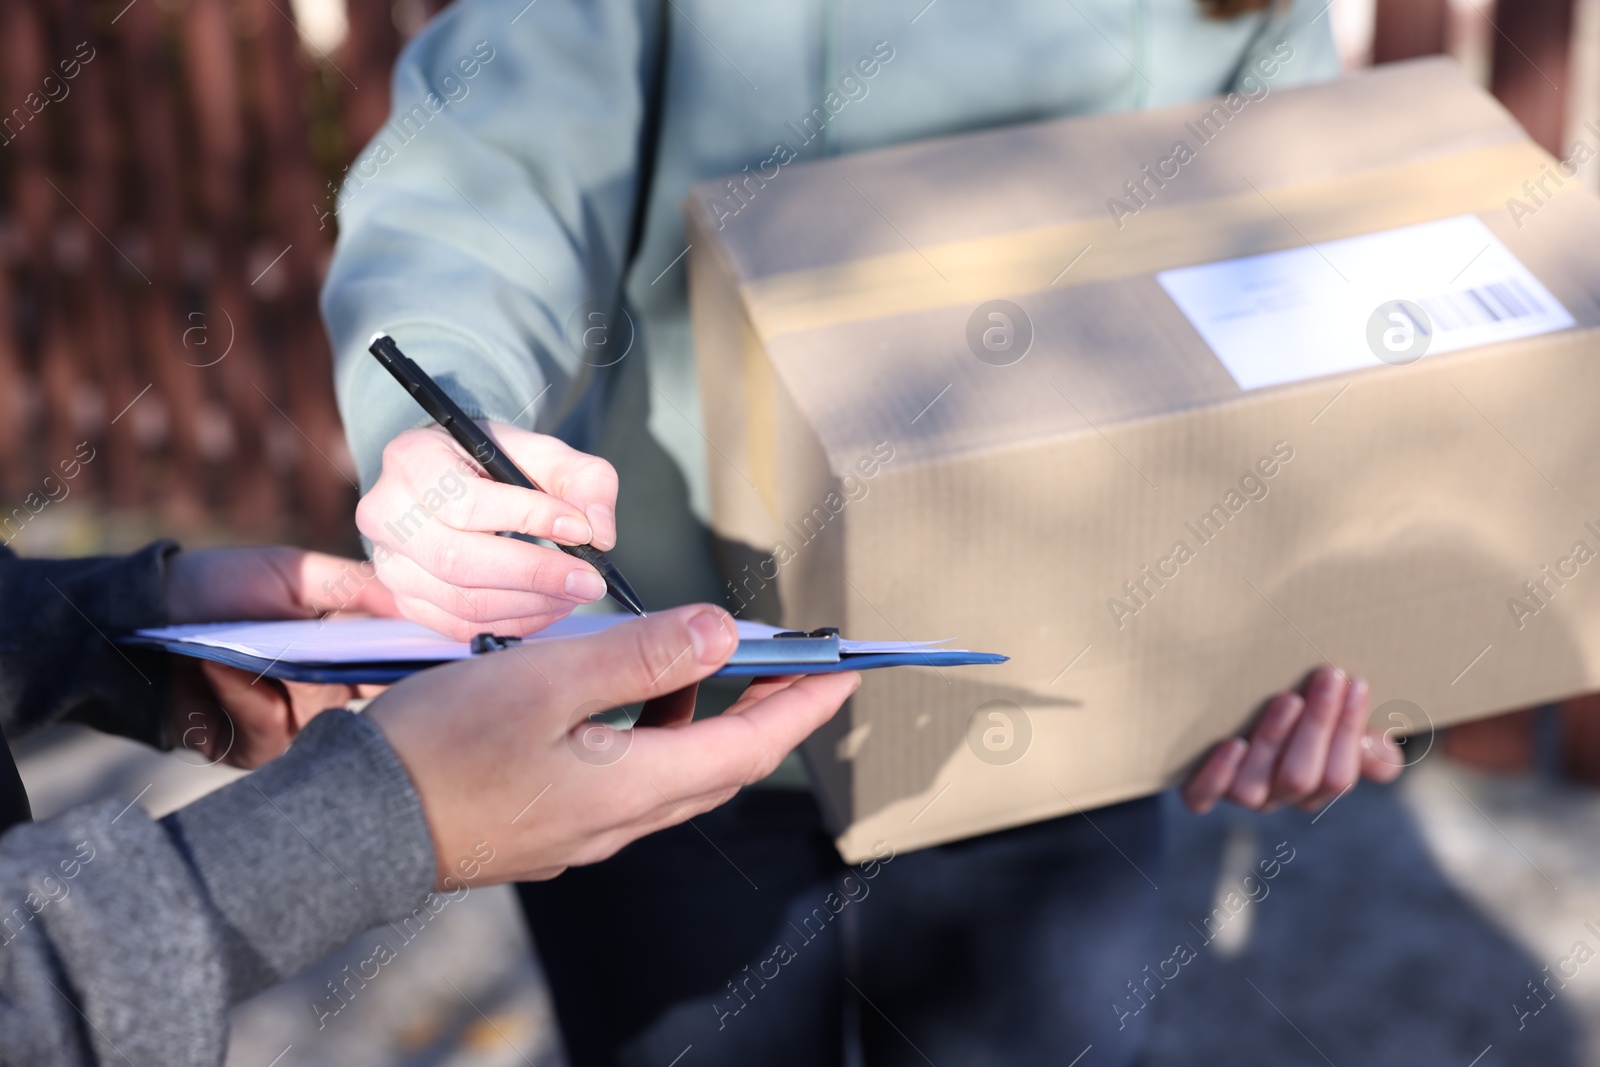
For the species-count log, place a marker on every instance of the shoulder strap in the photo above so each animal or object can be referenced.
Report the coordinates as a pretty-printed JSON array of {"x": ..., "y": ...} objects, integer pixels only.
[{"x": 649, "y": 138}]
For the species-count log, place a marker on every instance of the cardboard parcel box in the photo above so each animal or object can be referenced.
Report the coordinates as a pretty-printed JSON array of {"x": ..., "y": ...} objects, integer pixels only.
[{"x": 1160, "y": 531}]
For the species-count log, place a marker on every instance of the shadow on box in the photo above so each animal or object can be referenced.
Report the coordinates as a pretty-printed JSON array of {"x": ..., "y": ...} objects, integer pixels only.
[{"x": 923, "y": 741}]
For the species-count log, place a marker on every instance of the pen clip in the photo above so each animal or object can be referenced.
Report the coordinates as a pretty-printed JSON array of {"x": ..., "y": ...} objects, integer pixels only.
[{"x": 482, "y": 643}]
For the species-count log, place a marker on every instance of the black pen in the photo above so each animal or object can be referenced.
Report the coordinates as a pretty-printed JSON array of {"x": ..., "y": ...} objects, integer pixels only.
[{"x": 437, "y": 403}]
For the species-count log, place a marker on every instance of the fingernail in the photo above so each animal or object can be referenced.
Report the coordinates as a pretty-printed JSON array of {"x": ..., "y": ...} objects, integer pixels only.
[
  {"x": 573, "y": 531},
  {"x": 1358, "y": 690},
  {"x": 713, "y": 641},
  {"x": 585, "y": 585},
  {"x": 602, "y": 518}
]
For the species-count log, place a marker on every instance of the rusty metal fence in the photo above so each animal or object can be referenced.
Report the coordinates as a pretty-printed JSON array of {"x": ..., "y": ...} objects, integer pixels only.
[{"x": 167, "y": 169}]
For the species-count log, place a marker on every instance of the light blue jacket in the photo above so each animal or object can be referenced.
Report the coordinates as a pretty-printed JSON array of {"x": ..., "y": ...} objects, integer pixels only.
[{"x": 499, "y": 200}]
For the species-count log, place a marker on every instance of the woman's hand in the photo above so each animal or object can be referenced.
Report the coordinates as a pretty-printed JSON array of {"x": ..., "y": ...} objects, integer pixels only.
[
  {"x": 270, "y": 582},
  {"x": 1305, "y": 750},
  {"x": 240, "y": 717}
]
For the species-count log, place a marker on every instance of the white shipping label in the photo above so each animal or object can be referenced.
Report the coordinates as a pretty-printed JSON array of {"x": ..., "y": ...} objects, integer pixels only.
[{"x": 1390, "y": 297}]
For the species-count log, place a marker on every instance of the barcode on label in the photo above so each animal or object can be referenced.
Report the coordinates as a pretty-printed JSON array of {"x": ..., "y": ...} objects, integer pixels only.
[{"x": 1481, "y": 306}]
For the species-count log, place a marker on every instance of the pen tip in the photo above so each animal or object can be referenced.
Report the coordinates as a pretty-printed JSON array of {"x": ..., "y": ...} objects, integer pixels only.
[{"x": 375, "y": 338}]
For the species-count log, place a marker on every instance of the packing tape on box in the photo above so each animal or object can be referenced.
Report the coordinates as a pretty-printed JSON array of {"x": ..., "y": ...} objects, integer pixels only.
[{"x": 1027, "y": 261}]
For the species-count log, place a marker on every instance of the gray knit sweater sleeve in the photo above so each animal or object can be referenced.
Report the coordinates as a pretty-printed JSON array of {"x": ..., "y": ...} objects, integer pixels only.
[{"x": 124, "y": 939}]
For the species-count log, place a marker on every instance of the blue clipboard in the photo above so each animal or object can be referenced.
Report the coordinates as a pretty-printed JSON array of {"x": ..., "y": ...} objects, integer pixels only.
[{"x": 817, "y": 652}]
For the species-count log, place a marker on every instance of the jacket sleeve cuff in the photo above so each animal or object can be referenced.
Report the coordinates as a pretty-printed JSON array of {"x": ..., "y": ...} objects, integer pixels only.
[
  {"x": 135, "y": 598},
  {"x": 62, "y": 649},
  {"x": 300, "y": 857}
]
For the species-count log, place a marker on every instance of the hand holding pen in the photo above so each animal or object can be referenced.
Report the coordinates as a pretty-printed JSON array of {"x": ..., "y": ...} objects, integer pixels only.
[{"x": 437, "y": 520}]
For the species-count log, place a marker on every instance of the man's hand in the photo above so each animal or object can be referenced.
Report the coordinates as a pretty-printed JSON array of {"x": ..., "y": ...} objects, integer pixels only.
[
  {"x": 239, "y": 717},
  {"x": 505, "y": 755},
  {"x": 1305, "y": 750},
  {"x": 433, "y": 515}
]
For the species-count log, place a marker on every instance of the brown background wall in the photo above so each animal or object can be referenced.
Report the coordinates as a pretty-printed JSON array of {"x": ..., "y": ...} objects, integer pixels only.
[{"x": 164, "y": 171}]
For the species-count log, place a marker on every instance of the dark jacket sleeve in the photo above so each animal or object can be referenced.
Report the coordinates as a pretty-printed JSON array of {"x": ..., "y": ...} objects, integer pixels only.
[
  {"x": 57, "y": 660},
  {"x": 125, "y": 940}
]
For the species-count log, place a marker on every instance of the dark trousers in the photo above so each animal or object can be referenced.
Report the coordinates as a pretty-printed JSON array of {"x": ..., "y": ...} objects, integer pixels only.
[{"x": 744, "y": 939}]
